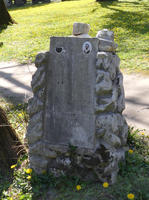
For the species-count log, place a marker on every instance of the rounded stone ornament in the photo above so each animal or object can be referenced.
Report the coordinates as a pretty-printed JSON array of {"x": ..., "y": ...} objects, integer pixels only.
[{"x": 105, "y": 34}]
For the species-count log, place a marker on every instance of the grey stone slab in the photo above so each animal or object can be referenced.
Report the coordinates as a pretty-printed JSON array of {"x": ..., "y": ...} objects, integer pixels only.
[{"x": 70, "y": 84}]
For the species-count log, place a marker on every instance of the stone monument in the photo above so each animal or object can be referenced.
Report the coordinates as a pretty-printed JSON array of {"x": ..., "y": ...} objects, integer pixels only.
[
  {"x": 19, "y": 2},
  {"x": 8, "y": 3},
  {"x": 76, "y": 124}
]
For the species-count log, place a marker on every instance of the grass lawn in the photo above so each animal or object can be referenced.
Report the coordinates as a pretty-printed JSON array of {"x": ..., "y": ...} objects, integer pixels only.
[
  {"x": 129, "y": 19},
  {"x": 130, "y": 22}
]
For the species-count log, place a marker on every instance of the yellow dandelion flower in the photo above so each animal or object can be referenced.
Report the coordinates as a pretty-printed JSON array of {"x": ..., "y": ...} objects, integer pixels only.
[
  {"x": 11, "y": 198},
  {"x": 130, "y": 151},
  {"x": 28, "y": 171},
  {"x": 13, "y": 166},
  {"x": 29, "y": 178},
  {"x": 142, "y": 133},
  {"x": 20, "y": 114},
  {"x": 130, "y": 196},
  {"x": 78, "y": 187},
  {"x": 105, "y": 185}
]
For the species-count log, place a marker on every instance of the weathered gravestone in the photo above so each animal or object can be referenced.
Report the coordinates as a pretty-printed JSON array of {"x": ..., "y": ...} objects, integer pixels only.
[
  {"x": 19, "y": 2},
  {"x": 8, "y": 3},
  {"x": 76, "y": 125}
]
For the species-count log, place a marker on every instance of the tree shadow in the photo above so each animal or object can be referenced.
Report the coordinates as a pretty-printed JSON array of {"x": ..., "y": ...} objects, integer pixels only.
[
  {"x": 137, "y": 105},
  {"x": 130, "y": 21},
  {"x": 15, "y": 82},
  {"x": 106, "y": 4},
  {"x": 14, "y": 97},
  {"x": 2, "y": 28},
  {"x": 5, "y": 181},
  {"x": 135, "y": 115}
]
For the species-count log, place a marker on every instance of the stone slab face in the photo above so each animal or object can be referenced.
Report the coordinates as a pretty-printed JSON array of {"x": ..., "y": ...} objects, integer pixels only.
[
  {"x": 76, "y": 124},
  {"x": 69, "y": 110}
]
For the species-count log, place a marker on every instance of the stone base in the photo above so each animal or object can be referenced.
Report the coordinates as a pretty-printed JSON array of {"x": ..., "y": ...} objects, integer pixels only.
[{"x": 100, "y": 164}]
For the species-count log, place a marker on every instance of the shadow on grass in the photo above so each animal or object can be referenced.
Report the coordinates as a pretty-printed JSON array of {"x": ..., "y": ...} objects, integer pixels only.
[
  {"x": 2, "y": 28},
  {"x": 132, "y": 21},
  {"x": 5, "y": 182},
  {"x": 107, "y": 3}
]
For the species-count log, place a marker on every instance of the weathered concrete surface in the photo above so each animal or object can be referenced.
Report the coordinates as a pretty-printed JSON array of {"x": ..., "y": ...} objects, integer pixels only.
[
  {"x": 137, "y": 101},
  {"x": 70, "y": 105},
  {"x": 15, "y": 80}
]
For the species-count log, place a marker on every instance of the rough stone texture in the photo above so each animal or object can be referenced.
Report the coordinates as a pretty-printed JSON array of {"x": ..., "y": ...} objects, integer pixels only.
[
  {"x": 36, "y": 104},
  {"x": 105, "y": 34},
  {"x": 80, "y": 28},
  {"x": 106, "y": 39},
  {"x": 76, "y": 125}
]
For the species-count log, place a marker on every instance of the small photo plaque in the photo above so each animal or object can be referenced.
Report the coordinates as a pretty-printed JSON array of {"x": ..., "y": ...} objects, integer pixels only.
[{"x": 87, "y": 47}]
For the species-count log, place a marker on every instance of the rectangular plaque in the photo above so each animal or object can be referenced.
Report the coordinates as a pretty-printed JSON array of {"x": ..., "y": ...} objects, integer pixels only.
[{"x": 70, "y": 95}]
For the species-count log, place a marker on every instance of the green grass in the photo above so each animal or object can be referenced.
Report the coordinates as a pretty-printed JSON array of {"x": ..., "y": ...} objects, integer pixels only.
[
  {"x": 133, "y": 175},
  {"x": 127, "y": 18},
  {"x": 17, "y": 116}
]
